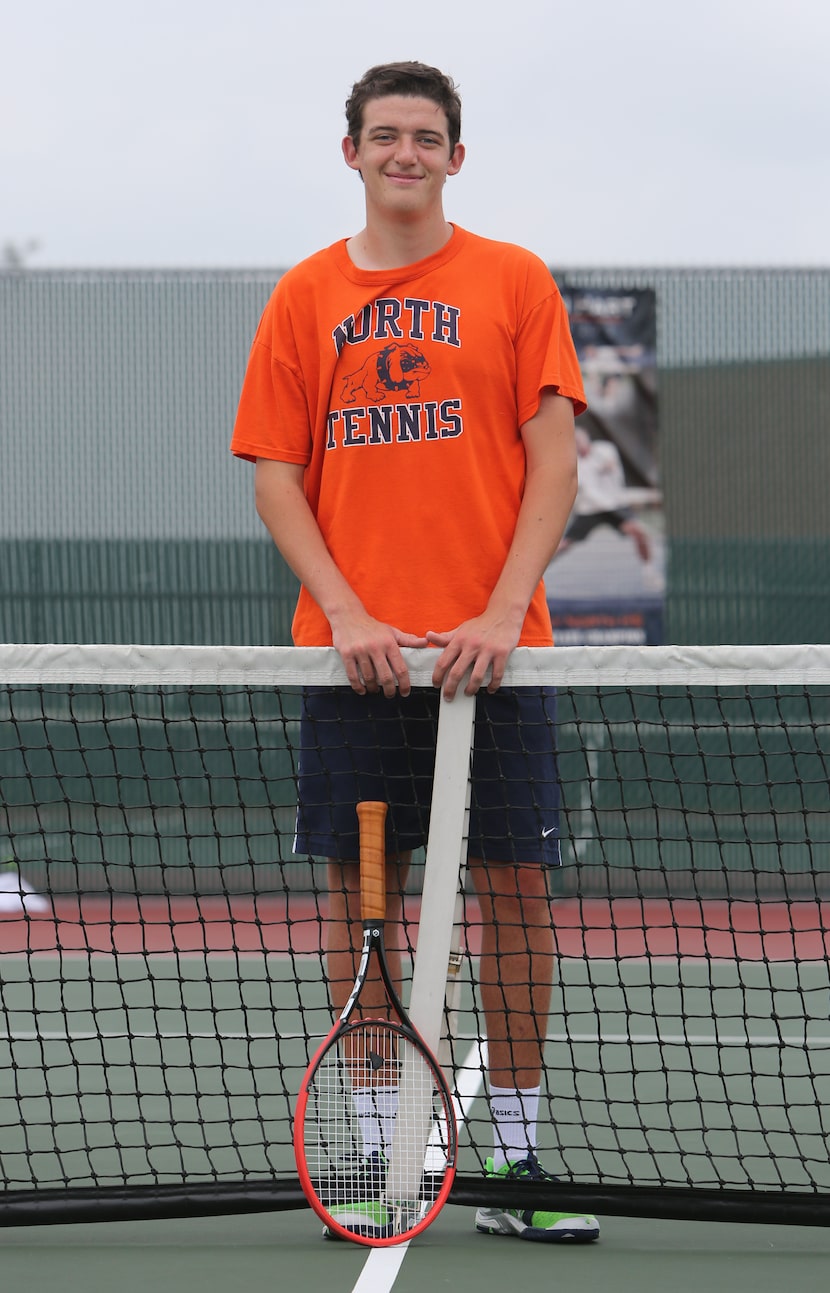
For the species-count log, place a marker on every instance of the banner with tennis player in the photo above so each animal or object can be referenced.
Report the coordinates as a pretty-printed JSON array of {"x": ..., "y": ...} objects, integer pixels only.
[{"x": 606, "y": 583}]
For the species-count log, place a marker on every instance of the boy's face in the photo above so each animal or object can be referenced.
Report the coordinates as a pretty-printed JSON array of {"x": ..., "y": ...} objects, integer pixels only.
[{"x": 403, "y": 154}]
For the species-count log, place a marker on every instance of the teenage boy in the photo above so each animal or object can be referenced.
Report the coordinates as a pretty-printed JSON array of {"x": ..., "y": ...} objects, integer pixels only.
[{"x": 409, "y": 404}]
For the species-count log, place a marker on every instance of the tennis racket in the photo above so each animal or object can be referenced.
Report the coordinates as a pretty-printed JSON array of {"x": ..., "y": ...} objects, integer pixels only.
[{"x": 377, "y": 1074}]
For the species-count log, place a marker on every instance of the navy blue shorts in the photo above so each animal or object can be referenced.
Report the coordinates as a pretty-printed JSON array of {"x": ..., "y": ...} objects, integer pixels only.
[{"x": 372, "y": 747}]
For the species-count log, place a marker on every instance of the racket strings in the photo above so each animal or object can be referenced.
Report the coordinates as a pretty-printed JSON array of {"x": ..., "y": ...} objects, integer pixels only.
[{"x": 377, "y": 1127}]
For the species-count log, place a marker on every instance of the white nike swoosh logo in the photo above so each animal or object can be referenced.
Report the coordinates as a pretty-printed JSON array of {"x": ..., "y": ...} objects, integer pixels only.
[{"x": 550, "y": 831}]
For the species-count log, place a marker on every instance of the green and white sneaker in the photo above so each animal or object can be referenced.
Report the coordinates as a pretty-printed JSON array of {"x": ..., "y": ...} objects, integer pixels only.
[
  {"x": 543, "y": 1227},
  {"x": 371, "y": 1220}
]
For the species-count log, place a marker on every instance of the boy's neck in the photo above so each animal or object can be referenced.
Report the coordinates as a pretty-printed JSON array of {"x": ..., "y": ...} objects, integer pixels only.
[{"x": 379, "y": 246}]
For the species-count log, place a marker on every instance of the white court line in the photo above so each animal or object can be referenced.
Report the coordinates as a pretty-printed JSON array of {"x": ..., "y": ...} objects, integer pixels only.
[
  {"x": 382, "y": 1266},
  {"x": 381, "y": 1269},
  {"x": 689, "y": 1039}
]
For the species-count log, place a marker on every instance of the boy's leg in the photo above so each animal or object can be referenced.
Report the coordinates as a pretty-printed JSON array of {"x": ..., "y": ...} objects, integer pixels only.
[
  {"x": 344, "y": 932},
  {"x": 516, "y": 977},
  {"x": 517, "y": 963}
]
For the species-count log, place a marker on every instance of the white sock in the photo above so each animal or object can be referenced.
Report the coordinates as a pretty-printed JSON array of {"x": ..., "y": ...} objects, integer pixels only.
[
  {"x": 515, "y": 1114},
  {"x": 376, "y": 1109}
]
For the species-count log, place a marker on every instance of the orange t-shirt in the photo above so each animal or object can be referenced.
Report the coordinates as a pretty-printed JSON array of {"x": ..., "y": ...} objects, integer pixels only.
[{"x": 402, "y": 393}]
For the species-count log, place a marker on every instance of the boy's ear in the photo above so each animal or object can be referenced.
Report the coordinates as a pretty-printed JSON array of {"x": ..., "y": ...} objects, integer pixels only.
[
  {"x": 457, "y": 159},
  {"x": 350, "y": 153}
]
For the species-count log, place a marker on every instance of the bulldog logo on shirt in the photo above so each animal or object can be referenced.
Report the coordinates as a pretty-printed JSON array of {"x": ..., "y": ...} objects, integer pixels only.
[{"x": 397, "y": 368}]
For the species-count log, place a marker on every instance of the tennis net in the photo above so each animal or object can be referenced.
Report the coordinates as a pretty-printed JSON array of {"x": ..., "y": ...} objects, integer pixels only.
[{"x": 161, "y": 979}]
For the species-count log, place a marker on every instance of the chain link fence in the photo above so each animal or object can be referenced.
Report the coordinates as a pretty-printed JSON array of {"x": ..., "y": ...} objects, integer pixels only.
[{"x": 124, "y": 518}]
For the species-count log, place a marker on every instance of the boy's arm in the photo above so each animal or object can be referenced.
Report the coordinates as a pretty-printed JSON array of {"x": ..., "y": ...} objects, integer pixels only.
[
  {"x": 370, "y": 650},
  {"x": 483, "y": 644}
]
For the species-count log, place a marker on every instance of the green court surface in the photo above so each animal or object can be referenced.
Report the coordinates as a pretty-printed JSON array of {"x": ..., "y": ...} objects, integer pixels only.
[{"x": 284, "y": 1251}]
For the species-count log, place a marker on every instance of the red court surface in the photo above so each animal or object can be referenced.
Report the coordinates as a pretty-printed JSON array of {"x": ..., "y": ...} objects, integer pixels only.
[{"x": 585, "y": 928}]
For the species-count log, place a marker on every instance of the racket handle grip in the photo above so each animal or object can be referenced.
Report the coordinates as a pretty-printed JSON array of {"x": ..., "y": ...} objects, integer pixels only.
[{"x": 371, "y": 815}]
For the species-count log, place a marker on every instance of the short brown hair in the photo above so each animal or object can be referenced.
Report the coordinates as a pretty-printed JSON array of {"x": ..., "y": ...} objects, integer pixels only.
[{"x": 413, "y": 80}]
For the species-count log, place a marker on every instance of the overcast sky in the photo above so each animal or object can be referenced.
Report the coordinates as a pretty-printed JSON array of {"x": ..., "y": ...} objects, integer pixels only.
[{"x": 206, "y": 133}]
